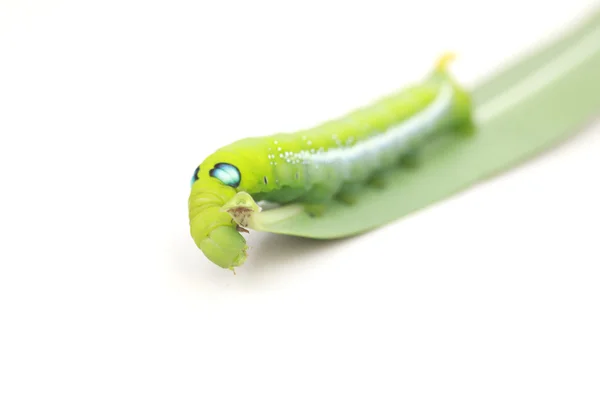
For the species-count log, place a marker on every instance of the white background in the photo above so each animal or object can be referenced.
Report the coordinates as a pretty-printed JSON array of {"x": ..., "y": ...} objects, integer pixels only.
[{"x": 106, "y": 109}]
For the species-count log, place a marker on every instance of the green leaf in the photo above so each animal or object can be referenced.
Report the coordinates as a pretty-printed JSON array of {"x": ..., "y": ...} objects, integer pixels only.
[{"x": 521, "y": 111}]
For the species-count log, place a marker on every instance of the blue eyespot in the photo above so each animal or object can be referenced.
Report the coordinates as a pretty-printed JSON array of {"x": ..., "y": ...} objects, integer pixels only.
[
  {"x": 226, "y": 173},
  {"x": 195, "y": 177}
]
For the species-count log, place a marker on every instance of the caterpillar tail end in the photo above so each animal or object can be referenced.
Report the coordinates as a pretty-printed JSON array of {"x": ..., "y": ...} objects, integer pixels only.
[{"x": 444, "y": 61}]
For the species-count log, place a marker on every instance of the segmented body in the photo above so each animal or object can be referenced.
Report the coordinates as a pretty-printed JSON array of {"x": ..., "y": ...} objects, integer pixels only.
[{"x": 335, "y": 158}]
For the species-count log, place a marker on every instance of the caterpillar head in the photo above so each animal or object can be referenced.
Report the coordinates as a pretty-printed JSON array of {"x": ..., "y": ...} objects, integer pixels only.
[{"x": 215, "y": 183}]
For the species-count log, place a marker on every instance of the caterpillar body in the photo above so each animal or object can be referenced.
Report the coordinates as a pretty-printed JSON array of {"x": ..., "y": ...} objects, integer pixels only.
[{"x": 330, "y": 161}]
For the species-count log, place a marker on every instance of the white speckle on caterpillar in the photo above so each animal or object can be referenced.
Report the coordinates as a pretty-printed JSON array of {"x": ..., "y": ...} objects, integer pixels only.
[{"x": 396, "y": 137}]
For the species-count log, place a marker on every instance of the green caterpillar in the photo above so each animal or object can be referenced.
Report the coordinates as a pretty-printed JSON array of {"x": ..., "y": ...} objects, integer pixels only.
[{"x": 331, "y": 161}]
